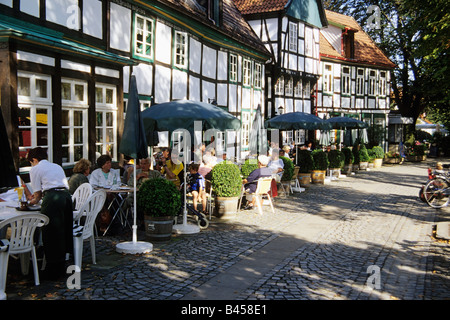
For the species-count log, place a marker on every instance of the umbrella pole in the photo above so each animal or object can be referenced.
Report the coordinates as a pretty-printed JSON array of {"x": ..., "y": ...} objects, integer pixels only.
[
  {"x": 185, "y": 228},
  {"x": 134, "y": 246}
]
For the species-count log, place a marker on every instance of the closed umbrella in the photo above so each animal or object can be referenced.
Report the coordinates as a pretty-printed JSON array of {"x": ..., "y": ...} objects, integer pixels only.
[
  {"x": 258, "y": 135},
  {"x": 364, "y": 138},
  {"x": 183, "y": 114},
  {"x": 134, "y": 144},
  {"x": 324, "y": 139},
  {"x": 8, "y": 173},
  {"x": 296, "y": 121}
]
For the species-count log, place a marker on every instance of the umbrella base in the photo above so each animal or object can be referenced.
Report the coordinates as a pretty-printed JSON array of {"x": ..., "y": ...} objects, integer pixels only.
[
  {"x": 134, "y": 247},
  {"x": 186, "y": 229}
]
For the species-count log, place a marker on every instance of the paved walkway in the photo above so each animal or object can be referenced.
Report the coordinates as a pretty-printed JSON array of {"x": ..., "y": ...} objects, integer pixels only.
[{"x": 364, "y": 237}]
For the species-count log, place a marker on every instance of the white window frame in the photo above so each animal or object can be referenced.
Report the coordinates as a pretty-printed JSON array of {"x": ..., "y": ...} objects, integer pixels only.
[
  {"x": 289, "y": 90},
  {"x": 359, "y": 82},
  {"x": 307, "y": 90},
  {"x": 346, "y": 80},
  {"x": 279, "y": 86},
  {"x": 327, "y": 78},
  {"x": 233, "y": 68},
  {"x": 247, "y": 72},
  {"x": 146, "y": 33},
  {"x": 103, "y": 107},
  {"x": 258, "y": 76},
  {"x": 372, "y": 90},
  {"x": 73, "y": 105},
  {"x": 300, "y": 136},
  {"x": 180, "y": 48},
  {"x": 34, "y": 102},
  {"x": 382, "y": 83},
  {"x": 293, "y": 37},
  {"x": 245, "y": 132},
  {"x": 298, "y": 89}
]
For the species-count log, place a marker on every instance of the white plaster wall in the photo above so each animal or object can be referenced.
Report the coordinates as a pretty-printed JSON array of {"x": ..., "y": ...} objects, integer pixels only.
[
  {"x": 222, "y": 66},
  {"x": 143, "y": 73},
  {"x": 209, "y": 59},
  {"x": 30, "y": 7},
  {"x": 163, "y": 43},
  {"x": 120, "y": 27},
  {"x": 162, "y": 84},
  {"x": 194, "y": 54},
  {"x": 63, "y": 12},
  {"x": 194, "y": 88},
  {"x": 179, "y": 85},
  {"x": 92, "y": 18}
]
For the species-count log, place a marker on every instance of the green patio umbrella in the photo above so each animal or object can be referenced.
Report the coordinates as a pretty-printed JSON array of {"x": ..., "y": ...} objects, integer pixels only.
[
  {"x": 8, "y": 174},
  {"x": 346, "y": 122},
  {"x": 182, "y": 115},
  {"x": 258, "y": 135},
  {"x": 297, "y": 120},
  {"x": 134, "y": 144}
]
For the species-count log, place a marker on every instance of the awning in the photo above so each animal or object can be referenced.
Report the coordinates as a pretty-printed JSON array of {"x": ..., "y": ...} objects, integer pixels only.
[{"x": 11, "y": 28}]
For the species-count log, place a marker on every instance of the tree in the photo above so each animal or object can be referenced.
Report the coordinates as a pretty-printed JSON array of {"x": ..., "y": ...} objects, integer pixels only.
[{"x": 415, "y": 36}]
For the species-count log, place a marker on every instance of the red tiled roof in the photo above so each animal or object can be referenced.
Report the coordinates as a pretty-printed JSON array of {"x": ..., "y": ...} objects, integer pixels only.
[
  {"x": 260, "y": 6},
  {"x": 234, "y": 25},
  {"x": 366, "y": 51}
]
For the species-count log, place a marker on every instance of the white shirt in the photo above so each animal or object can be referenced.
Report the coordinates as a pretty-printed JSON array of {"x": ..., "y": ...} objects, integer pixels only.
[
  {"x": 99, "y": 179},
  {"x": 46, "y": 175},
  {"x": 275, "y": 165}
]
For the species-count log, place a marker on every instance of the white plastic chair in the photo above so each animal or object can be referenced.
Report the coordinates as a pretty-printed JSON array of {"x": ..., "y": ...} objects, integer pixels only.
[
  {"x": 262, "y": 188},
  {"x": 20, "y": 242},
  {"x": 295, "y": 182},
  {"x": 86, "y": 231},
  {"x": 79, "y": 197}
]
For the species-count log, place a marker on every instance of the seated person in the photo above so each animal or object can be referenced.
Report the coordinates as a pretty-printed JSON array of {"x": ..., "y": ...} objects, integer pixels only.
[
  {"x": 143, "y": 173},
  {"x": 250, "y": 183},
  {"x": 173, "y": 167},
  {"x": 276, "y": 165},
  {"x": 196, "y": 185},
  {"x": 104, "y": 176},
  {"x": 80, "y": 174}
]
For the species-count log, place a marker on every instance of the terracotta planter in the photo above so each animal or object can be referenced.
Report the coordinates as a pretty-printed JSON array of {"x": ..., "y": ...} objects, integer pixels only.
[
  {"x": 377, "y": 163},
  {"x": 304, "y": 179},
  {"x": 318, "y": 176},
  {"x": 363, "y": 165},
  {"x": 226, "y": 207}
]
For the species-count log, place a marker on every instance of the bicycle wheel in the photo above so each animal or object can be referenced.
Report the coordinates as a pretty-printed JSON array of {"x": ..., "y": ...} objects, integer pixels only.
[{"x": 437, "y": 193}]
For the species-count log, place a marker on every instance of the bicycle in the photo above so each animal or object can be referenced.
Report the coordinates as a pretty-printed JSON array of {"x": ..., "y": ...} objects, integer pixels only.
[{"x": 437, "y": 190}]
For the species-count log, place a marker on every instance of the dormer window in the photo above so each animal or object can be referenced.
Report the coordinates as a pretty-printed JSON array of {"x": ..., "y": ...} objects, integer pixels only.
[
  {"x": 348, "y": 40},
  {"x": 211, "y": 8}
]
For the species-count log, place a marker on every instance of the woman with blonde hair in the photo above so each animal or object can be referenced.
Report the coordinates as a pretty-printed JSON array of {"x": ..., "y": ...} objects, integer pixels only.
[{"x": 80, "y": 174}]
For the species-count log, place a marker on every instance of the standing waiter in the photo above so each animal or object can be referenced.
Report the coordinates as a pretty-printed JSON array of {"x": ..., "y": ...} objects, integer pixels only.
[{"x": 49, "y": 183}]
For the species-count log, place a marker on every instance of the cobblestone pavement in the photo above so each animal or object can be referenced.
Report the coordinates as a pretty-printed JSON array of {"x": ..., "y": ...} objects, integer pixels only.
[{"x": 375, "y": 242}]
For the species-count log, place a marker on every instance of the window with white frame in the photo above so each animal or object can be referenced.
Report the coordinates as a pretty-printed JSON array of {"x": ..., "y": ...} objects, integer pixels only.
[
  {"x": 180, "y": 47},
  {"x": 327, "y": 78},
  {"x": 382, "y": 83},
  {"x": 345, "y": 80},
  {"x": 258, "y": 76},
  {"x": 35, "y": 115},
  {"x": 287, "y": 137},
  {"x": 106, "y": 115},
  {"x": 306, "y": 90},
  {"x": 233, "y": 67},
  {"x": 245, "y": 129},
  {"x": 289, "y": 87},
  {"x": 293, "y": 36},
  {"x": 279, "y": 86},
  {"x": 298, "y": 89},
  {"x": 143, "y": 32},
  {"x": 372, "y": 83},
  {"x": 300, "y": 136},
  {"x": 360, "y": 82},
  {"x": 247, "y": 72},
  {"x": 74, "y": 120}
]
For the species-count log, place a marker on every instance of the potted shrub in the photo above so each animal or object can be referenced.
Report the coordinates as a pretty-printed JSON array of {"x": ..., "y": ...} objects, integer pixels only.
[
  {"x": 336, "y": 160},
  {"x": 320, "y": 166},
  {"x": 248, "y": 166},
  {"x": 417, "y": 153},
  {"x": 355, "y": 151},
  {"x": 378, "y": 153},
  {"x": 348, "y": 160},
  {"x": 363, "y": 157},
  {"x": 159, "y": 200},
  {"x": 393, "y": 158},
  {"x": 306, "y": 164},
  {"x": 226, "y": 182},
  {"x": 288, "y": 172}
]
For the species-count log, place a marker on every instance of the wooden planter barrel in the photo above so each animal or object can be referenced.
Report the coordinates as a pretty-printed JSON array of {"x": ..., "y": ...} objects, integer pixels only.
[
  {"x": 318, "y": 176},
  {"x": 158, "y": 228}
]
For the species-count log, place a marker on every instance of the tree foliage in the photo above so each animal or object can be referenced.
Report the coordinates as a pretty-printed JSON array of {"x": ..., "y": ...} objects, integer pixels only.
[{"x": 415, "y": 35}]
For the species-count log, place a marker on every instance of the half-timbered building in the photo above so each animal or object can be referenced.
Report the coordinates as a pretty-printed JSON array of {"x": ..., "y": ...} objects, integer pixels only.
[
  {"x": 290, "y": 31},
  {"x": 66, "y": 65},
  {"x": 354, "y": 76}
]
